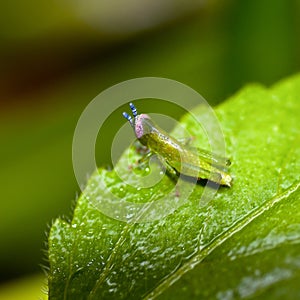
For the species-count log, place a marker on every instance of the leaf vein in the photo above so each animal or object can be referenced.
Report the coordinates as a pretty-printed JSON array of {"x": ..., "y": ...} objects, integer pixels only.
[{"x": 219, "y": 240}]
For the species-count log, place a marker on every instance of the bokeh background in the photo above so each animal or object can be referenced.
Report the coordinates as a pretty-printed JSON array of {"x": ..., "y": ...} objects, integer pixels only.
[{"x": 56, "y": 56}]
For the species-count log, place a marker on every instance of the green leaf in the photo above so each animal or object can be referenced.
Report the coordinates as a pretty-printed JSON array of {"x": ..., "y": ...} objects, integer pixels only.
[{"x": 244, "y": 243}]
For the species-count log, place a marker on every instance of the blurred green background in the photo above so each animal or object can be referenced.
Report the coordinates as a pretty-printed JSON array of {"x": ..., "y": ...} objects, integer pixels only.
[{"x": 56, "y": 56}]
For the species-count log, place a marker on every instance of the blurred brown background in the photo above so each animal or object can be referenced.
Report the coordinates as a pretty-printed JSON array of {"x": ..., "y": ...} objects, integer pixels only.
[{"x": 56, "y": 56}]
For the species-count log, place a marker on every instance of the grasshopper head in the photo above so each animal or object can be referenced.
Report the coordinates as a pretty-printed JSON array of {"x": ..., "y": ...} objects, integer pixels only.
[{"x": 141, "y": 124}]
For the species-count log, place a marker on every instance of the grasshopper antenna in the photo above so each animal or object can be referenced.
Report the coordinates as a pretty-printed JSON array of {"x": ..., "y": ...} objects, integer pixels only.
[
  {"x": 133, "y": 109},
  {"x": 127, "y": 117}
]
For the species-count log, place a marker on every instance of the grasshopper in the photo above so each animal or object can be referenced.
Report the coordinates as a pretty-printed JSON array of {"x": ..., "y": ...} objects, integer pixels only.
[{"x": 177, "y": 156}]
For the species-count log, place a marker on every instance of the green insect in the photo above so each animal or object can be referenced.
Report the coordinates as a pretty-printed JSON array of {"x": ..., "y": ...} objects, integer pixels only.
[{"x": 177, "y": 156}]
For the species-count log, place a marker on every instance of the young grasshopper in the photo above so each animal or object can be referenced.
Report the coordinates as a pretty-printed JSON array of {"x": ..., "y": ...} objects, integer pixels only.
[{"x": 177, "y": 156}]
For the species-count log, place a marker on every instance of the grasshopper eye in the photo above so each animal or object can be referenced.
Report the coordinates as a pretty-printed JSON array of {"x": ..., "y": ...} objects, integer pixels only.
[{"x": 133, "y": 109}]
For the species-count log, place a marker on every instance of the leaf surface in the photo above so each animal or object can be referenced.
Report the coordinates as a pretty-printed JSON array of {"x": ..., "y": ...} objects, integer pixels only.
[{"x": 244, "y": 243}]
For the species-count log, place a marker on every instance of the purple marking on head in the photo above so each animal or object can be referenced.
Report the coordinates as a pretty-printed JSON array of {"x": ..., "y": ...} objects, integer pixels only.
[{"x": 138, "y": 128}]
